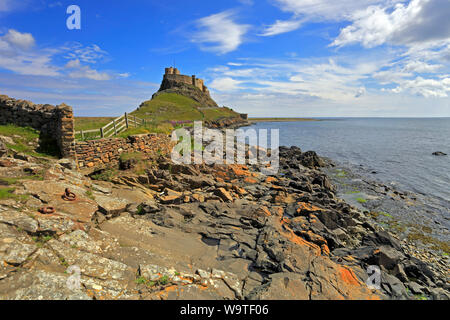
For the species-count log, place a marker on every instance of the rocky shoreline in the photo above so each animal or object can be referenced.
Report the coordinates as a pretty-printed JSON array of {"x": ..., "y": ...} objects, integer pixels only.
[
  {"x": 198, "y": 232},
  {"x": 404, "y": 214}
]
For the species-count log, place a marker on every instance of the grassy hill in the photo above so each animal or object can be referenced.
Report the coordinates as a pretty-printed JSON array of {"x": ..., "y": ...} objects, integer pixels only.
[
  {"x": 163, "y": 113},
  {"x": 168, "y": 107},
  {"x": 89, "y": 123}
]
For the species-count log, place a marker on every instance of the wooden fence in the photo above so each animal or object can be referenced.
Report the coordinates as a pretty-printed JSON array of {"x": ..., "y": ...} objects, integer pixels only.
[{"x": 113, "y": 128}]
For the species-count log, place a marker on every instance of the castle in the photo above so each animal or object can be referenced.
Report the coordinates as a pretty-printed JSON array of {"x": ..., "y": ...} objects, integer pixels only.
[{"x": 173, "y": 75}]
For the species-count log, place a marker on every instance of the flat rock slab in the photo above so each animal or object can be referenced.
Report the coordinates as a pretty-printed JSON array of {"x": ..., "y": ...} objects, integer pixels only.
[
  {"x": 39, "y": 285},
  {"x": 51, "y": 192},
  {"x": 92, "y": 265},
  {"x": 15, "y": 253},
  {"x": 111, "y": 206},
  {"x": 20, "y": 220}
]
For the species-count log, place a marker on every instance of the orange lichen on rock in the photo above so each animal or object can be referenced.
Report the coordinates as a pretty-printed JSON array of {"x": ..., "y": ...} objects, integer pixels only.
[
  {"x": 240, "y": 171},
  {"x": 275, "y": 187},
  {"x": 305, "y": 208},
  {"x": 348, "y": 276},
  {"x": 263, "y": 210},
  {"x": 271, "y": 180},
  {"x": 282, "y": 197},
  {"x": 325, "y": 250},
  {"x": 239, "y": 190},
  {"x": 289, "y": 234},
  {"x": 250, "y": 180}
]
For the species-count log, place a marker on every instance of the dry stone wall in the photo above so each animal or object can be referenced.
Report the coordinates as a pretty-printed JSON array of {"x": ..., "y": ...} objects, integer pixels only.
[
  {"x": 103, "y": 152},
  {"x": 55, "y": 122}
]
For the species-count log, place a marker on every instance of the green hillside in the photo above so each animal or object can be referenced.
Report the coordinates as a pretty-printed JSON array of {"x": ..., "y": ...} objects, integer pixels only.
[
  {"x": 169, "y": 107},
  {"x": 163, "y": 113}
]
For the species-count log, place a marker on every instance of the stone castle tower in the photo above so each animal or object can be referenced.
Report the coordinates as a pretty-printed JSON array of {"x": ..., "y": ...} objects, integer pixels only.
[{"x": 173, "y": 75}]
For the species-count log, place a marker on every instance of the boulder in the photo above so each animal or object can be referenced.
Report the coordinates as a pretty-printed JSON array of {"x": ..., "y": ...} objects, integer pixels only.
[
  {"x": 111, "y": 206},
  {"x": 223, "y": 194},
  {"x": 439, "y": 153},
  {"x": 311, "y": 160}
]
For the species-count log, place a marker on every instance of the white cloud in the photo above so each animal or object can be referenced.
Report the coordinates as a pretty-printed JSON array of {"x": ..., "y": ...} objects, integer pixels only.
[
  {"x": 417, "y": 22},
  {"x": 281, "y": 27},
  {"x": 391, "y": 76},
  {"x": 220, "y": 33},
  {"x": 328, "y": 10},
  {"x": 88, "y": 54},
  {"x": 73, "y": 64},
  {"x": 225, "y": 84},
  {"x": 24, "y": 41},
  {"x": 422, "y": 67},
  {"x": 86, "y": 72},
  {"x": 332, "y": 80},
  {"x": 428, "y": 88},
  {"x": 360, "y": 92},
  {"x": 16, "y": 56}
]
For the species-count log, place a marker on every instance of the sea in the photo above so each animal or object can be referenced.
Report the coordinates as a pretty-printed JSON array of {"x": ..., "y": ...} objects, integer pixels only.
[{"x": 393, "y": 151}]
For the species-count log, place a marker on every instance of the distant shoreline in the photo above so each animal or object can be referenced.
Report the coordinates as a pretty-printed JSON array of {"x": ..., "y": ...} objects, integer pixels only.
[{"x": 281, "y": 119}]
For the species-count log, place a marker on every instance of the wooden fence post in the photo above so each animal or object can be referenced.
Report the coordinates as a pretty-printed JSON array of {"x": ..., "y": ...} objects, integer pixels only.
[
  {"x": 126, "y": 120},
  {"x": 101, "y": 133},
  {"x": 115, "y": 129},
  {"x": 82, "y": 135},
  {"x": 135, "y": 123}
]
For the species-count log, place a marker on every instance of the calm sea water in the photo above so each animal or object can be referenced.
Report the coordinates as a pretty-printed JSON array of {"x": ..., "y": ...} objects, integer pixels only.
[{"x": 398, "y": 150}]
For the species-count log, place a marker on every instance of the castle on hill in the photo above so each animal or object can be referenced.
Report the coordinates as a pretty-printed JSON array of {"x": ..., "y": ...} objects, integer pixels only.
[{"x": 173, "y": 75}]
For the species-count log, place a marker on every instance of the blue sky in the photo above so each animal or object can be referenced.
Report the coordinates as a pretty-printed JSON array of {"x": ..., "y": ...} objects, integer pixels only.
[{"x": 266, "y": 58}]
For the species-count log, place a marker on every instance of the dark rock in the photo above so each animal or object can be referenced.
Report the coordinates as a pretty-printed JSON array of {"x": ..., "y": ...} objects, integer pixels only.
[
  {"x": 417, "y": 269},
  {"x": 127, "y": 164},
  {"x": 415, "y": 287},
  {"x": 311, "y": 160},
  {"x": 393, "y": 286},
  {"x": 439, "y": 294},
  {"x": 22, "y": 156},
  {"x": 387, "y": 257},
  {"x": 3, "y": 149}
]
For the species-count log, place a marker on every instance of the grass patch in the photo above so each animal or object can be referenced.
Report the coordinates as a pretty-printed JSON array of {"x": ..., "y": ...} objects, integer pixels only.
[
  {"x": 341, "y": 173},
  {"x": 429, "y": 240},
  {"x": 152, "y": 127},
  {"x": 42, "y": 240},
  {"x": 25, "y": 139},
  {"x": 15, "y": 180},
  {"x": 361, "y": 200},
  {"x": 140, "y": 210},
  {"x": 163, "y": 281},
  {"x": 168, "y": 107},
  {"x": 125, "y": 156},
  {"x": 385, "y": 214},
  {"x": 103, "y": 175},
  {"x": 218, "y": 113},
  {"x": 89, "y": 194},
  {"x": 8, "y": 193},
  {"x": 26, "y": 133},
  {"x": 90, "y": 123}
]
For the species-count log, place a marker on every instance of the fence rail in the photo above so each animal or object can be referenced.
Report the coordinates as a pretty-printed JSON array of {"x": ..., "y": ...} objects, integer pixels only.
[{"x": 113, "y": 128}]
